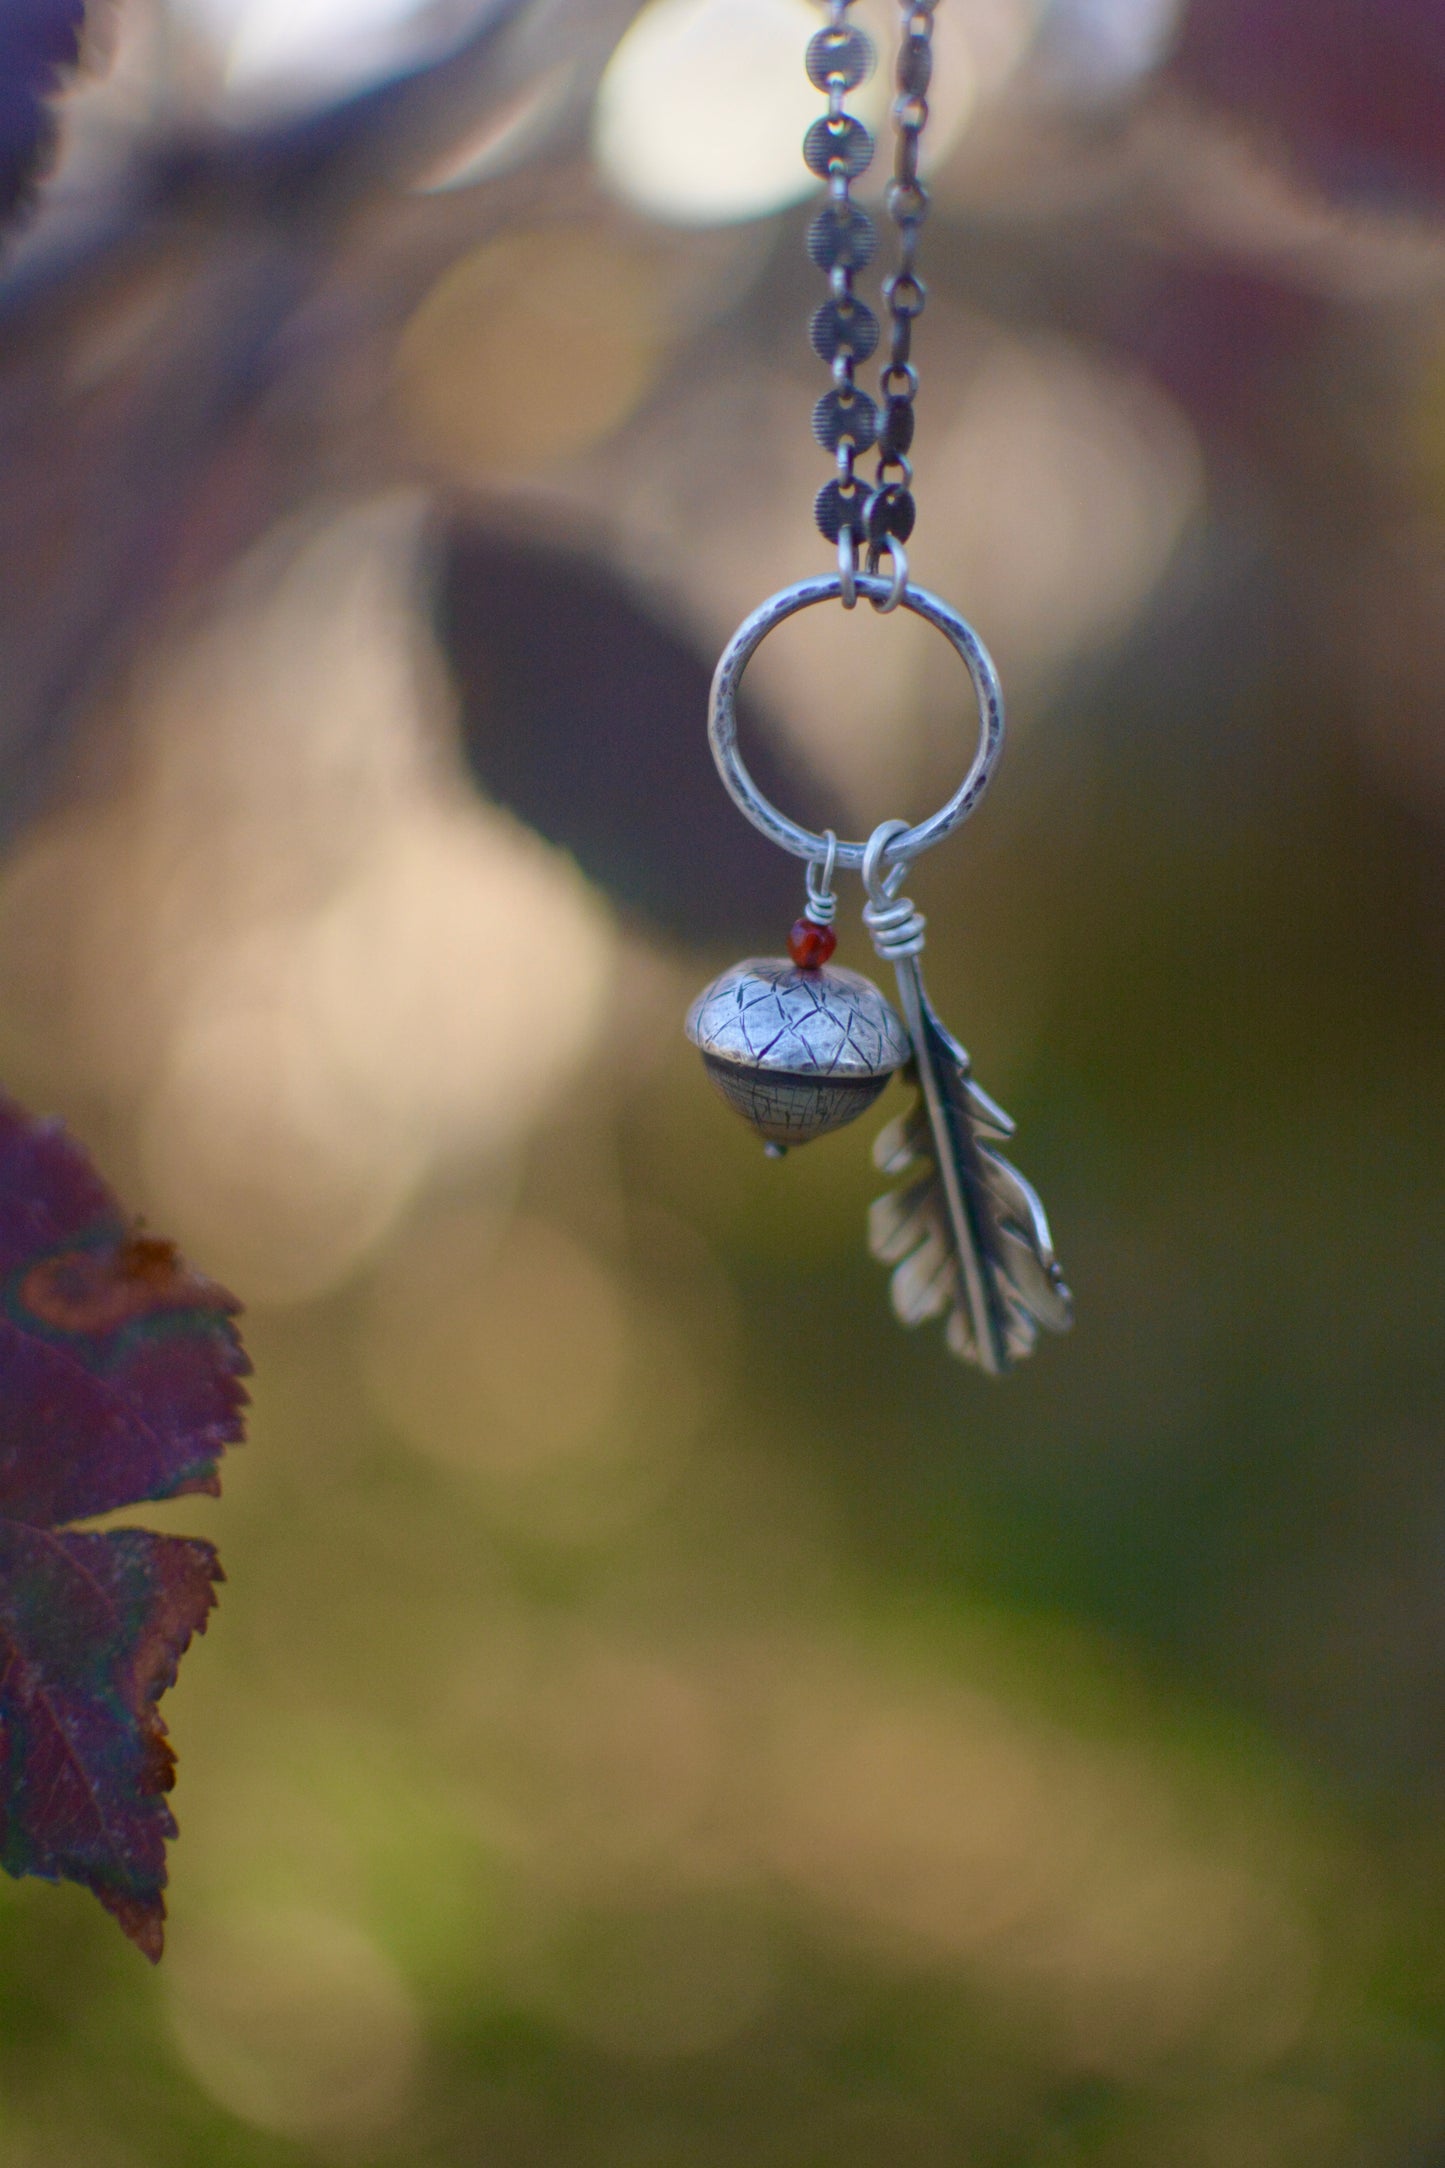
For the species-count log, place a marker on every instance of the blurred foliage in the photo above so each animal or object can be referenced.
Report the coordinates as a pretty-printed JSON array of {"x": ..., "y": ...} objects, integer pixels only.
[
  {"x": 40, "y": 43},
  {"x": 659, "y": 1713}
]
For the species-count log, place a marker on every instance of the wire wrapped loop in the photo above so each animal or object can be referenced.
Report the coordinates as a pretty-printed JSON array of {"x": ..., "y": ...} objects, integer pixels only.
[
  {"x": 818, "y": 879},
  {"x": 898, "y": 930}
]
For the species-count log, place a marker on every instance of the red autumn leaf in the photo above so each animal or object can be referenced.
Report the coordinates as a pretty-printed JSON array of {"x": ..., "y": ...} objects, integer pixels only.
[{"x": 120, "y": 1381}]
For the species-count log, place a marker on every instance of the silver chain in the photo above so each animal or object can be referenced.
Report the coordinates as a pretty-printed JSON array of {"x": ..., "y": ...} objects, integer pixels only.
[
  {"x": 890, "y": 512},
  {"x": 846, "y": 421}
]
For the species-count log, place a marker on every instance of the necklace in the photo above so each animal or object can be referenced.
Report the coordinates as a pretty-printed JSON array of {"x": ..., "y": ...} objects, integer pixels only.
[{"x": 797, "y": 1046}]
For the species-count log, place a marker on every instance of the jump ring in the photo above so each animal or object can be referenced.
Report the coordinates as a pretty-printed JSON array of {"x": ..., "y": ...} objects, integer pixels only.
[
  {"x": 898, "y": 583},
  {"x": 723, "y": 726},
  {"x": 847, "y": 569}
]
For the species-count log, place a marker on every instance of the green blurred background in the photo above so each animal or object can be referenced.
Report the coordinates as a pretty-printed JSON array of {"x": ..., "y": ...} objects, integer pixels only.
[{"x": 660, "y": 1715}]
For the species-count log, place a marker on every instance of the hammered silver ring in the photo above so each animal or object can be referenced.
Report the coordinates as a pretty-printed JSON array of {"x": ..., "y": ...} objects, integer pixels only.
[{"x": 722, "y": 722}]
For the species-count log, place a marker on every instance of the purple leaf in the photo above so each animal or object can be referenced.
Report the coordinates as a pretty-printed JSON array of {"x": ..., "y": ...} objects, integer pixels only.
[
  {"x": 92, "y": 1628},
  {"x": 40, "y": 43},
  {"x": 120, "y": 1381}
]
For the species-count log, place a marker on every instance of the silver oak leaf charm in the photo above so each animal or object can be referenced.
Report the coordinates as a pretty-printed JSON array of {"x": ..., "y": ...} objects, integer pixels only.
[{"x": 967, "y": 1238}]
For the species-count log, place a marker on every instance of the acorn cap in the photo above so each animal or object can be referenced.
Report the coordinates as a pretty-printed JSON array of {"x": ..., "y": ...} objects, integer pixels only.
[{"x": 768, "y": 1014}]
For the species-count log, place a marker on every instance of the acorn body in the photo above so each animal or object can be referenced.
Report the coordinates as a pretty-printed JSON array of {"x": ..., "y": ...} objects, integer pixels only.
[{"x": 796, "y": 1052}]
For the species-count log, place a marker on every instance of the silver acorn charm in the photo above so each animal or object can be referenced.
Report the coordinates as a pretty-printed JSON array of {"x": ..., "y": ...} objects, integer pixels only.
[
  {"x": 796, "y": 1051},
  {"x": 799, "y": 1049}
]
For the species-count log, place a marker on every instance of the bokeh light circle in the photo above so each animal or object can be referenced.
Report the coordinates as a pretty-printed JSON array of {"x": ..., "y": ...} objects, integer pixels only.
[{"x": 702, "y": 109}]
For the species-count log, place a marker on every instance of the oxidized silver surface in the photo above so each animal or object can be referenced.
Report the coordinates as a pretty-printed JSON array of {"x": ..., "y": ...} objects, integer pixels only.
[
  {"x": 722, "y": 726},
  {"x": 796, "y": 1053},
  {"x": 966, "y": 1236},
  {"x": 799, "y": 1052}
]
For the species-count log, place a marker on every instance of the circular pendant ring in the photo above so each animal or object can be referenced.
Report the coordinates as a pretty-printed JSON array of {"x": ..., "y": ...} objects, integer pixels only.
[{"x": 722, "y": 724}]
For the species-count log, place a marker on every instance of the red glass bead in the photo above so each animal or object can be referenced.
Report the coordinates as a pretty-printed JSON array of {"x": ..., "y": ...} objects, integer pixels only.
[{"x": 810, "y": 945}]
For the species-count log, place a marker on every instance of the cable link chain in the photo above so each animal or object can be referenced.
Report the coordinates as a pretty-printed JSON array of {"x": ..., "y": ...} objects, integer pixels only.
[
  {"x": 890, "y": 510},
  {"x": 846, "y": 420}
]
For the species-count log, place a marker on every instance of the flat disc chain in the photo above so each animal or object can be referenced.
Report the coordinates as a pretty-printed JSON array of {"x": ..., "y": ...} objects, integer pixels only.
[
  {"x": 847, "y": 421},
  {"x": 858, "y": 515}
]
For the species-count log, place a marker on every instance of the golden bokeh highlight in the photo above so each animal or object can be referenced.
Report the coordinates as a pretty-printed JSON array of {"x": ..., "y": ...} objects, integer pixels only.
[
  {"x": 515, "y": 1357},
  {"x": 498, "y": 1360},
  {"x": 947, "y": 1828},
  {"x": 1064, "y": 485},
  {"x": 304, "y": 954},
  {"x": 704, "y": 105},
  {"x": 628, "y": 1753},
  {"x": 295, "y": 2022},
  {"x": 530, "y": 350}
]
